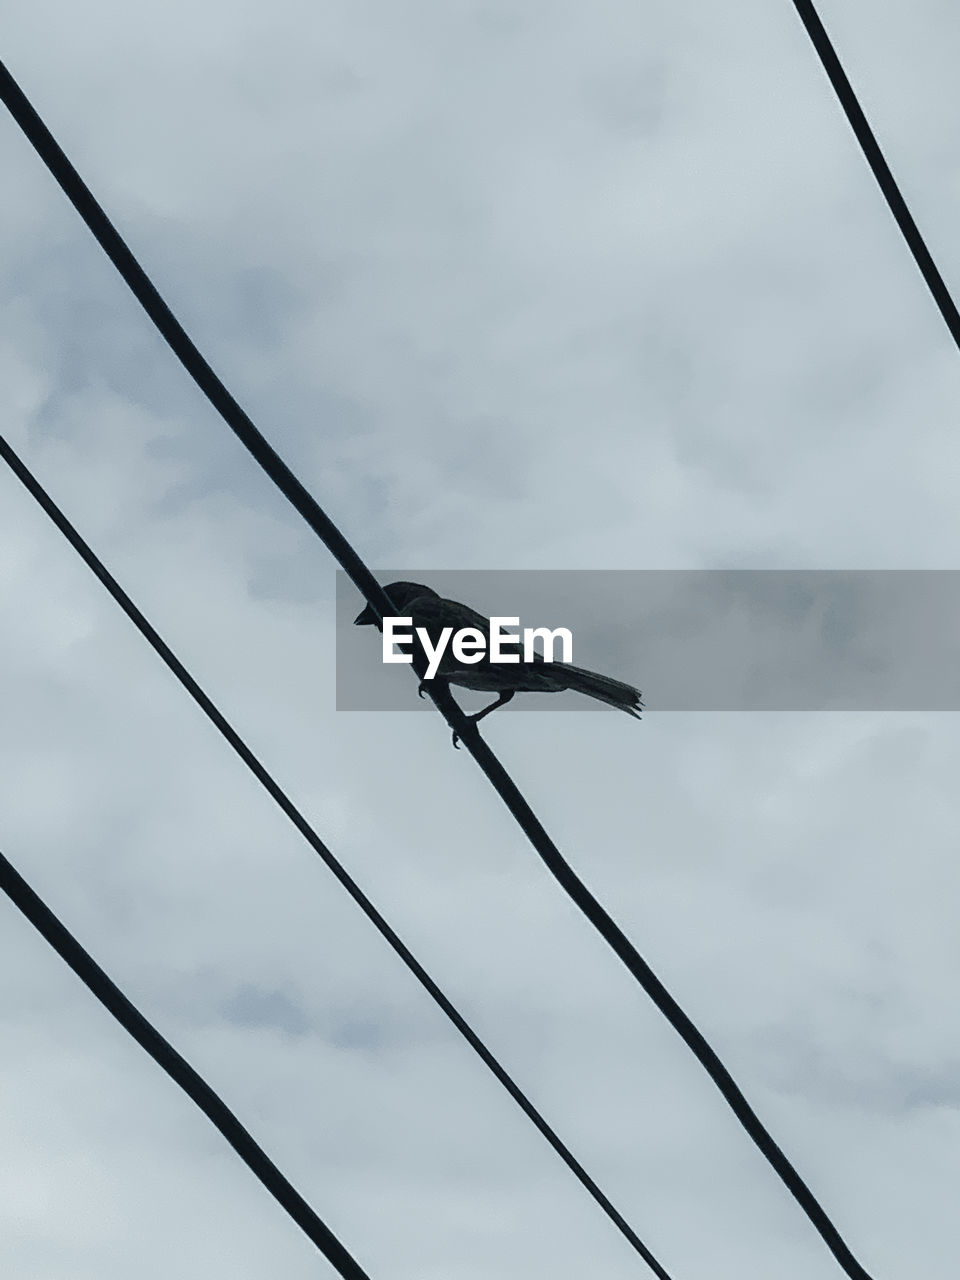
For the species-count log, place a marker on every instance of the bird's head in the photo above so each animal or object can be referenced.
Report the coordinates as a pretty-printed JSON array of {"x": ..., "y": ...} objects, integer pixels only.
[{"x": 400, "y": 593}]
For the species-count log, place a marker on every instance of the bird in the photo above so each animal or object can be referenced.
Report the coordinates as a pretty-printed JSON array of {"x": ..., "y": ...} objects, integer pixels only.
[{"x": 428, "y": 609}]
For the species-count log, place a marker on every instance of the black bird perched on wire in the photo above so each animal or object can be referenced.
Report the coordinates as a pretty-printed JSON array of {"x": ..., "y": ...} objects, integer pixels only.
[{"x": 427, "y": 609}]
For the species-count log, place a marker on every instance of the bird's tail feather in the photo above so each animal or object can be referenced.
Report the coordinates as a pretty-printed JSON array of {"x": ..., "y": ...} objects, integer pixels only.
[{"x": 603, "y": 688}]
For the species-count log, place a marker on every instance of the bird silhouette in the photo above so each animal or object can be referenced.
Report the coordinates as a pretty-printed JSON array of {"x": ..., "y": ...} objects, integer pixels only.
[{"x": 427, "y": 609}]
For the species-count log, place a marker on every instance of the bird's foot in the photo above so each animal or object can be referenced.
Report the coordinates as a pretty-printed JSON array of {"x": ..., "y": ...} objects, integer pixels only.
[{"x": 471, "y": 721}]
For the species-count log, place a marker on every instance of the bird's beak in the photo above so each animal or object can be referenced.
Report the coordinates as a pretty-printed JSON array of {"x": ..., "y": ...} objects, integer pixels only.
[{"x": 364, "y": 618}]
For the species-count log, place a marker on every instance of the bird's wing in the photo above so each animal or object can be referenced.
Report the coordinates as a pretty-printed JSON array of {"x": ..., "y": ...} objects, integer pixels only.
[
  {"x": 459, "y": 615},
  {"x": 434, "y": 613}
]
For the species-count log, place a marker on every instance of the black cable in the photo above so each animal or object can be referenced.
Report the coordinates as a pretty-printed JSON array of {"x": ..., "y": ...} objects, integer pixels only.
[
  {"x": 137, "y": 280},
  {"x": 881, "y": 170},
  {"x": 183, "y": 347},
  {"x": 177, "y": 1068},
  {"x": 210, "y": 710},
  {"x": 561, "y": 870}
]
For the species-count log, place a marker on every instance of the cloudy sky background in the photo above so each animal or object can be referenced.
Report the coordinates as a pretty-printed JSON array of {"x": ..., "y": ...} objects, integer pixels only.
[{"x": 544, "y": 286}]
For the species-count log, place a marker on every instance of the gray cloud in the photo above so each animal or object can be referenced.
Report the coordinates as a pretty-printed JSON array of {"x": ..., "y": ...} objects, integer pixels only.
[{"x": 541, "y": 287}]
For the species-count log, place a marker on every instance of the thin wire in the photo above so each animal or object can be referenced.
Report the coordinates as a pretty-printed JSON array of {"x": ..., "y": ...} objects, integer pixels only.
[
  {"x": 118, "y": 252},
  {"x": 611, "y": 932},
  {"x": 180, "y": 343},
  {"x": 210, "y": 710},
  {"x": 177, "y": 1068},
  {"x": 878, "y": 165}
]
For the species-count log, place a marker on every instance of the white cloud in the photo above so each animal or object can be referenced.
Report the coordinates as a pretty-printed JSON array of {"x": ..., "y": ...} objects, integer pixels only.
[{"x": 552, "y": 286}]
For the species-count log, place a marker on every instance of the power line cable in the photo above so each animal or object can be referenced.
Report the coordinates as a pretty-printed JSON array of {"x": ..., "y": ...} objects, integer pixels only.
[
  {"x": 280, "y": 797},
  {"x": 878, "y": 165},
  {"x": 242, "y": 426},
  {"x": 177, "y": 1068}
]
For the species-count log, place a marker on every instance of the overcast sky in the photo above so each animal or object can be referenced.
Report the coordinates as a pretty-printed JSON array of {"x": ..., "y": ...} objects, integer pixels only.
[{"x": 545, "y": 285}]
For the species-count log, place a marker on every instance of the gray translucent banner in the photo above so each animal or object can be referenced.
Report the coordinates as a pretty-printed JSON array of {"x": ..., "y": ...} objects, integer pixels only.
[{"x": 700, "y": 640}]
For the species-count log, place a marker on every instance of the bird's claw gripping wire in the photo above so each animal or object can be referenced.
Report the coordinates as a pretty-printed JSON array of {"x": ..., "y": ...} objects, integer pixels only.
[
  {"x": 471, "y": 720},
  {"x": 421, "y": 690}
]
